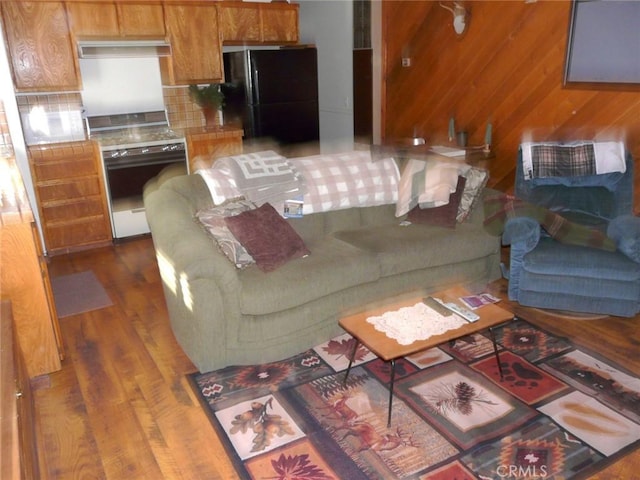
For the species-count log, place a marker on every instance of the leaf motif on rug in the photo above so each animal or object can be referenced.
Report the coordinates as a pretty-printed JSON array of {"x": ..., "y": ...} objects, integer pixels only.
[
  {"x": 265, "y": 426},
  {"x": 258, "y": 425},
  {"x": 298, "y": 466},
  {"x": 337, "y": 352}
]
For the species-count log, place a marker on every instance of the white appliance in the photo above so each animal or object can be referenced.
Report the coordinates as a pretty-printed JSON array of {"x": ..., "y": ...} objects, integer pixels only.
[{"x": 135, "y": 148}]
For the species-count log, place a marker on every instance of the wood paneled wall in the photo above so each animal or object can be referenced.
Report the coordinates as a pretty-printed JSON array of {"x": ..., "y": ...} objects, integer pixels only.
[{"x": 507, "y": 68}]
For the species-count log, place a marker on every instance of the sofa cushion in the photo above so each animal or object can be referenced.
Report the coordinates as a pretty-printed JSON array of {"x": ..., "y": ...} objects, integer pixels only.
[
  {"x": 401, "y": 249},
  {"x": 554, "y": 258},
  {"x": 212, "y": 219},
  {"x": 332, "y": 266},
  {"x": 268, "y": 238},
  {"x": 476, "y": 179},
  {"x": 427, "y": 183},
  {"x": 443, "y": 216}
]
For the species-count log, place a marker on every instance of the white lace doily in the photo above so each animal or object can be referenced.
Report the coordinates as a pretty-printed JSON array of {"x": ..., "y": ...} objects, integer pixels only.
[{"x": 418, "y": 322}]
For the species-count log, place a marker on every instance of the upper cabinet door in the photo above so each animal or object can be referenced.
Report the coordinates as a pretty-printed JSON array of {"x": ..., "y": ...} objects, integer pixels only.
[
  {"x": 258, "y": 23},
  {"x": 141, "y": 20},
  {"x": 196, "y": 56},
  {"x": 239, "y": 23},
  {"x": 279, "y": 22},
  {"x": 41, "y": 53},
  {"x": 91, "y": 19},
  {"x": 102, "y": 19}
]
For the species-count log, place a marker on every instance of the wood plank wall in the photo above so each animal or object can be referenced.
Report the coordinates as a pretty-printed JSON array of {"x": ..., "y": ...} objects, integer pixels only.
[{"x": 506, "y": 68}]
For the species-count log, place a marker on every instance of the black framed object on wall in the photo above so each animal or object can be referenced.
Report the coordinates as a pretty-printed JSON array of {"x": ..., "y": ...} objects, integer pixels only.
[{"x": 604, "y": 42}]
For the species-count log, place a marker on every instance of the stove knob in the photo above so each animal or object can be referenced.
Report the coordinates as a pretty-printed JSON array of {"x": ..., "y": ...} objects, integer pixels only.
[
  {"x": 145, "y": 150},
  {"x": 115, "y": 154},
  {"x": 165, "y": 148},
  {"x": 123, "y": 153}
]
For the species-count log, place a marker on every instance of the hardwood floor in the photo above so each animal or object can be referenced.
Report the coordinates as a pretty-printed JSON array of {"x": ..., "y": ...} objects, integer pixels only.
[{"x": 122, "y": 408}]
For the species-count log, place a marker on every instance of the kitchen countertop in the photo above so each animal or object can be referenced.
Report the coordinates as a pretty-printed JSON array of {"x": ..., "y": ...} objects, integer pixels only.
[{"x": 219, "y": 131}]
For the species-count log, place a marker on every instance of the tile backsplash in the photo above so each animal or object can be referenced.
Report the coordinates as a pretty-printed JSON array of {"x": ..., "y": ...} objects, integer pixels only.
[
  {"x": 182, "y": 111},
  {"x": 51, "y": 118},
  {"x": 55, "y": 102}
]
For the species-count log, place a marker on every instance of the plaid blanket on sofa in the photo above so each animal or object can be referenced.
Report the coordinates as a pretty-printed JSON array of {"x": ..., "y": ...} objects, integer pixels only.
[
  {"x": 499, "y": 208},
  {"x": 344, "y": 180},
  {"x": 260, "y": 177}
]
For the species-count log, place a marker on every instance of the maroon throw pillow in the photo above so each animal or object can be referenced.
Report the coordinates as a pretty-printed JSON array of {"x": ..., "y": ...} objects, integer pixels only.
[
  {"x": 444, "y": 216},
  {"x": 268, "y": 237}
]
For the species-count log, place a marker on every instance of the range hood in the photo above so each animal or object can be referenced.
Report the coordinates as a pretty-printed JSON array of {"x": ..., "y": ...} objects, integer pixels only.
[{"x": 123, "y": 48}]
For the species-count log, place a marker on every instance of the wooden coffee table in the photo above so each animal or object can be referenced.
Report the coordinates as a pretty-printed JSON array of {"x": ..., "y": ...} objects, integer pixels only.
[{"x": 389, "y": 349}]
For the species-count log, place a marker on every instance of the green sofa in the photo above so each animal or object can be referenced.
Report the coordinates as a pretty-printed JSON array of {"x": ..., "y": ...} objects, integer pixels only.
[{"x": 224, "y": 316}]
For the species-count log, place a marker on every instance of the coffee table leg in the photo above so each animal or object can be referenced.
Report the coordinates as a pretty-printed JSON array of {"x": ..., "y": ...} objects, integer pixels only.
[
  {"x": 353, "y": 356},
  {"x": 391, "y": 380},
  {"x": 495, "y": 351}
]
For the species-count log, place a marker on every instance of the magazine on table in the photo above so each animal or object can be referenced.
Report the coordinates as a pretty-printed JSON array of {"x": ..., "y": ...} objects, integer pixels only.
[{"x": 480, "y": 300}]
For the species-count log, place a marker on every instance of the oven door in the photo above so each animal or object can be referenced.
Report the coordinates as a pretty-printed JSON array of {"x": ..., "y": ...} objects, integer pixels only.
[{"x": 127, "y": 170}]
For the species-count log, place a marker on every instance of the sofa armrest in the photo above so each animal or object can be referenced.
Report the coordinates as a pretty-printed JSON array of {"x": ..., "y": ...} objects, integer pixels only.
[
  {"x": 178, "y": 238},
  {"x": 625, "y": 231},
  {"x": 523, "y": 234}
]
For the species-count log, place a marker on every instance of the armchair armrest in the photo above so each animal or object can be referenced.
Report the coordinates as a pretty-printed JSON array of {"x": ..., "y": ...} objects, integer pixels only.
[
  {"x": 625, "y": 232},
  {"x": 522, "y": 231},
  {"x": 523, "y": 234}
]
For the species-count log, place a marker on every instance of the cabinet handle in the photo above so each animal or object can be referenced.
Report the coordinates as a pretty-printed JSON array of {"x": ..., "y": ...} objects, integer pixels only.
[{"x": 19, "y": 394}]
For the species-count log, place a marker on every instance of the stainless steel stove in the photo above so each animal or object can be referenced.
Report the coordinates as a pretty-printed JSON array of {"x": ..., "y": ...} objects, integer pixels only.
[{"x": 135, "y": 147}]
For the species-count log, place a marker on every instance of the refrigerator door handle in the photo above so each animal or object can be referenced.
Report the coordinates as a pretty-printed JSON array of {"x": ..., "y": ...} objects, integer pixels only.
[{"x": 255, "y": 88}]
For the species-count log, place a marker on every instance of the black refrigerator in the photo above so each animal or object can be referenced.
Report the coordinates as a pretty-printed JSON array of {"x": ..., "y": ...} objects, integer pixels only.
[{"x": 274, "y": 93}]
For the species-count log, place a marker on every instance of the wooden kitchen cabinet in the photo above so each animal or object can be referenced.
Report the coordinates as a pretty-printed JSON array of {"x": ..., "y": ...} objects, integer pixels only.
[
  {"x": 279, "y": 23},
  {"x": 192, "y": 29},
  {"x": 40, "y": 49},
  {"x": 258, "y": 23},
  {"x": 17, "y": 432},
  {"x": 141, "y": 20},
  {"x": 108, "y": 19},
  {"x": 239, "y": 23},
  {"x": 24, "y": 278},
  {"x": 72, "y": 202},
  {"x": 92, "y": 19},
  {"x": 211, "y": 143}
]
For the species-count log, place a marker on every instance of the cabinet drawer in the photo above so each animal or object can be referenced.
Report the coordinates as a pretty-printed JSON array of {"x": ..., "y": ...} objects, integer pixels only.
[
  {"x": 56, "y": 169},
  {"x": 69, "y": 210},
  {"x": 68, "y": 190},
  {"x": 86, "y": 232}
]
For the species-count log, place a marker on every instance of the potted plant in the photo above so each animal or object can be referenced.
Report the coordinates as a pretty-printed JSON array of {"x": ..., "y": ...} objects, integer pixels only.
[{"x": 210, "y": 98}]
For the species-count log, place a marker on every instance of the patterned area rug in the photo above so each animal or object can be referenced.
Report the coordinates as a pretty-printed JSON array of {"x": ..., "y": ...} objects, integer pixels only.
[
  {"x": 78, "y": 293},
  {"x": 559, "y": 412}
]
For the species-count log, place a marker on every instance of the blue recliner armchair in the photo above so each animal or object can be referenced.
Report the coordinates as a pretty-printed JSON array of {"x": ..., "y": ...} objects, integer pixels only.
[{"x": 547, "y": 274}]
